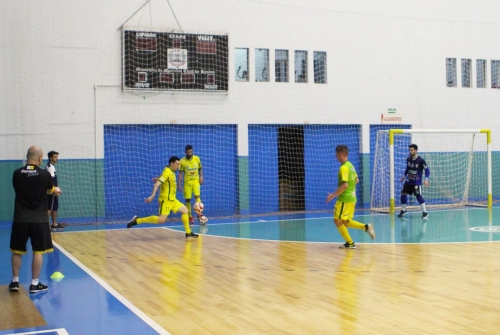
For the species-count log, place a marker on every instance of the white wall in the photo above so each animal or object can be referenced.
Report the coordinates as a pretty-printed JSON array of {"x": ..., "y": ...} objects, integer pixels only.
[{"x": 60, "y": 64}]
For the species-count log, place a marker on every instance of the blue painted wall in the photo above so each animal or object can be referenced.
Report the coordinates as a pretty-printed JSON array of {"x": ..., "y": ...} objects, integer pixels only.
[
  {"x": 113, "y": 189},
  {"x": 321, "y": 163},
  {"x": 134, "y": 154},
  {"x": 263, "y": 168}
]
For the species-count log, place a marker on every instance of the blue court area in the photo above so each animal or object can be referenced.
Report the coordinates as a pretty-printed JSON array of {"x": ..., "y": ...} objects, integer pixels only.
[
  {"x": 79, "y": 303},
  {"x": 82, "y": 303}
]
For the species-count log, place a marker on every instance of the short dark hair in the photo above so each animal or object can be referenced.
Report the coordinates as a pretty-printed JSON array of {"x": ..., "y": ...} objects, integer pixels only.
[
  {"x": 173, "y": 159},
  {"x": 414, "y": 146},
  {"x": 52, "y": 153},
  {"x": 342, "y": 148},
  {"x": 188, "y": 147}
]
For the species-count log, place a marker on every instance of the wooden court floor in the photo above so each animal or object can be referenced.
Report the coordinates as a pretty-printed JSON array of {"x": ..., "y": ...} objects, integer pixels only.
[{"x": 220, "y": 285}]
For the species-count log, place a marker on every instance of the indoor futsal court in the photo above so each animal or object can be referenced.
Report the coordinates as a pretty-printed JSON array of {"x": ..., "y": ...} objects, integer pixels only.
[
  {"x": 267, "y": 275},
  {"x": 266, "y": 118}
]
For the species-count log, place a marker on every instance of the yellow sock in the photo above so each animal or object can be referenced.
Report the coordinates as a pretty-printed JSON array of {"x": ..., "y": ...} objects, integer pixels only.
[
  {"x": 149, "y": 219},
  {"x": 355, "y": 224},
  {"x": 185, "y": 222},
  {"x": 345, "y": 234},
  {"x": 188, "y": 205}
]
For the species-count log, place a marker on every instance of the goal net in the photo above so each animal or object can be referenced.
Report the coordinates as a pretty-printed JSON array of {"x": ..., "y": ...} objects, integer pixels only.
[{"x": 459, "y": 162}]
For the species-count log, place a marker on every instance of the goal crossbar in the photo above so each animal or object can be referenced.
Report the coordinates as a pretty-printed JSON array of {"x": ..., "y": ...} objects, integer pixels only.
[{"x": 393, "y": 132}]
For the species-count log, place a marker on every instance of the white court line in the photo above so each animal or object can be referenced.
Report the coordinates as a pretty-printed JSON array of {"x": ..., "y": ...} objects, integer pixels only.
[
  {"x": 114, "y": 293},
  {"x": 327, "y": 242},
  {"x": 260, "y": 220},
  {"x": 301, "y": 219},
  {"x": 60, "y": 331},
  {"x": 336, "y": 242},
  {"x": 260, "y": 239},
  {"x": 327, "y": 217}
]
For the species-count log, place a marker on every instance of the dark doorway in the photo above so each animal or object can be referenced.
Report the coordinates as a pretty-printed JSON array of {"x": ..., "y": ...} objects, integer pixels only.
[{"x": 291, "y": 169}]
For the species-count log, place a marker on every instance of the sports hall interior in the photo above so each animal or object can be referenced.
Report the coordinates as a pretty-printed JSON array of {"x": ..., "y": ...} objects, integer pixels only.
[{"x": 264, "y": 91}]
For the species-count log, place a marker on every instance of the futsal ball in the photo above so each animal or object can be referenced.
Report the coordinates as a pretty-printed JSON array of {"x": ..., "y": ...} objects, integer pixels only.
[
  {"x": 198, "y": 207},
  {"x": 203, "y": 220}
]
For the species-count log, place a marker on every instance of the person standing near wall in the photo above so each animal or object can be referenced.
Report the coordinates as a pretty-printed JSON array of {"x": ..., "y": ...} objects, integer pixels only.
[
  {"x": 31, "y": 184},
  {"x": 191, "y": 169},
  {"x": 52, "y": 201}
]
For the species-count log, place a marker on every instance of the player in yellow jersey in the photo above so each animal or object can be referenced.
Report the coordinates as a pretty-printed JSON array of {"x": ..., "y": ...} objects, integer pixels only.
[
  {"x": 346, "y": 202},
  {"x": 193, "y": 178},
  {"x": 167, "y": 199}
]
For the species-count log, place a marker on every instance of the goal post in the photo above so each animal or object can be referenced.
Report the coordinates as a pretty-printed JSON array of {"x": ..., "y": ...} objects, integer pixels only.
[{"x": 459, "y": 162}]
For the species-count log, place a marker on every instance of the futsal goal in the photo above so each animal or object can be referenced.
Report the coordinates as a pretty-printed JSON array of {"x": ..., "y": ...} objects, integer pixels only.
[{"x": 459, "y": 162}]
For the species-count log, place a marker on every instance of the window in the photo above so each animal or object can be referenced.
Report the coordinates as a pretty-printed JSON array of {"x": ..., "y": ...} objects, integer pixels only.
[
  {"x": 300, "y": 66},
  {"x": 495, "y": 75},
  {"x": 451, "y": 72},
  {"x": 261, "y": 64},
  {"x": 319, "y": 67},
  {"x": 481, "y": 73},
  {"x": 281, "y": 66},
  {"x": 466, "y": 72},
  {"x": 241, "y": 64}
]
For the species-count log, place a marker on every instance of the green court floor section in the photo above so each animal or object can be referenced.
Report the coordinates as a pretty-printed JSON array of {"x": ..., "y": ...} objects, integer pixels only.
[{"x": 445, "y": 226}]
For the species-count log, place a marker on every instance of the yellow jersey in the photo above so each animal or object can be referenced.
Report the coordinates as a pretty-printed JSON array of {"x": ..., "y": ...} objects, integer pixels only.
[
  {"x": 191, "y": 168},
  {"x": 347, "y": 173},
  {"x": 168, "y": 188}
]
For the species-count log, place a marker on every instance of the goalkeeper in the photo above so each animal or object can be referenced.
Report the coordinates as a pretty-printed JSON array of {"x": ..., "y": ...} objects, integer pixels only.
[{"x": 415, "y": 166}]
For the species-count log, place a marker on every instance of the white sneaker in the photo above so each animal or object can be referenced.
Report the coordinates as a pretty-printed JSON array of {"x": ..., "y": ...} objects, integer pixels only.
[{"x": 370, "y": 230}]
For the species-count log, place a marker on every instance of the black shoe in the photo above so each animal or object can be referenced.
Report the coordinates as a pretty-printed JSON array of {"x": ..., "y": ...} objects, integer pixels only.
[
  {"x": 14, "y": 286},
  {"x": 132, "y": 222},
  {"x": 348, "y": 246},
  {"x": 191, "y": 235},
  {"x": 402, "y": 213},
  {"x": 56, "y": 226},
  {"x": 38, "y": 288},
  {"x": 425, "y": 216}
]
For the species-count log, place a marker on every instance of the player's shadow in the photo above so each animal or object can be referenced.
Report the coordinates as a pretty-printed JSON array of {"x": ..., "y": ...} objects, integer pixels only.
[{"x": 413, "y": 229}]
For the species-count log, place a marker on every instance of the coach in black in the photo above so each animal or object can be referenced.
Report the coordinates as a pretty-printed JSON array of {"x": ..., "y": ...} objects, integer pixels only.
[{"x": 31, "y": 185}]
